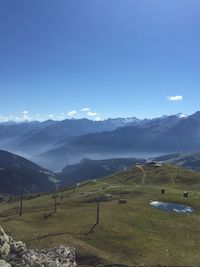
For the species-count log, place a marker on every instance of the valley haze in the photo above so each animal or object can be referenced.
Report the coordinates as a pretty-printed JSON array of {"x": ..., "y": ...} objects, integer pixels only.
[
  {"x": 99, "y": 118},
  {"x": 55, "y": 144}
]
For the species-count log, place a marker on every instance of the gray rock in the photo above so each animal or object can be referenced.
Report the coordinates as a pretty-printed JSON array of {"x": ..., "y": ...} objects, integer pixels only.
[
  {"x": 3, "y": 237},
  {"x": 5, "y": 250},
  {"x": 18, "y": 247},
  {"x": 16, "y": 254},
  {"x": 4, "y": 264}
]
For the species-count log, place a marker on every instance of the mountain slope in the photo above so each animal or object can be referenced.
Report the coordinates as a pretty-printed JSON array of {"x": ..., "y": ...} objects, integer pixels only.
[
  {"x": 156, "y": 136},
  {"x": 94, "y": 169},
  {"x": 186, "y": 160},
  {"x": 128, "y": 234},
  {"x": 19, "y": 175}
]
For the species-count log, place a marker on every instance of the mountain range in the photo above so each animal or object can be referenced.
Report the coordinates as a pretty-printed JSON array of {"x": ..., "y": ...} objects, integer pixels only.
[
  {"x": 55, "y": 144},
  {"x": 164, "y": 135},
  {"x": 30, "y": 138}
]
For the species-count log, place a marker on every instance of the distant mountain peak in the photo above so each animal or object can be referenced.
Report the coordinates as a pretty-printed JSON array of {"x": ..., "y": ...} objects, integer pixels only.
[
  {"x": 196, "y": 115},
  {"x": 132, "y": 119},
  {"x": 181, "y": 115},
  {"x": 163, "y": 117}
]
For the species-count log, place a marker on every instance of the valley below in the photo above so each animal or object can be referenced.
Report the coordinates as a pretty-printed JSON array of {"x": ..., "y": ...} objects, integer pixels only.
[
  {"x": 90, "y": 186},
  {"x": 99, "y": 133},
  {"x": 131, "y": 233}
]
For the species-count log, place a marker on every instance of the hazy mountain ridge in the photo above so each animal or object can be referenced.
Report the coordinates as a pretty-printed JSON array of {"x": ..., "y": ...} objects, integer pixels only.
[
  {"x": 19, "y": 175},
  {"x": 53, "y": 144},
  {"x": 186, "y": 160},
  {"x": 94, "y": 169},
  {"x": 155, "y": 136},
  {"x": 36, "y": 137}
]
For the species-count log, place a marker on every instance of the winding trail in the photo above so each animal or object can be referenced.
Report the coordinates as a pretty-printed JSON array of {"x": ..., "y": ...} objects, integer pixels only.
[
  {"x": 144, "y": 173},
  {"x": 173, "y": 180}
]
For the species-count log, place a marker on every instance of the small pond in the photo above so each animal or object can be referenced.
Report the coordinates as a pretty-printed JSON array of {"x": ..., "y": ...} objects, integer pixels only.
[{"x": 171, "y": 207}]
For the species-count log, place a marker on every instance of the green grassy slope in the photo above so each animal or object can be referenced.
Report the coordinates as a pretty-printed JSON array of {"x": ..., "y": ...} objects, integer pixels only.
[
  {"x": 185, "y": 160},
  {"x": 94, "y": 169},
  {"x": 133, "y": 233}
]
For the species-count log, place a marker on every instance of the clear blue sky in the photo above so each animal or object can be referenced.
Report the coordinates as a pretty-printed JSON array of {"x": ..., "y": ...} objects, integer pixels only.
[{"x": 116, "y": 57}]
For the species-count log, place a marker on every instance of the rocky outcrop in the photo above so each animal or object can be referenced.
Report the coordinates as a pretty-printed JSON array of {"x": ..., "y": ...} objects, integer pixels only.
[
  {"x": 4, "y": 264},
  {"x": 16, "y": 254}
]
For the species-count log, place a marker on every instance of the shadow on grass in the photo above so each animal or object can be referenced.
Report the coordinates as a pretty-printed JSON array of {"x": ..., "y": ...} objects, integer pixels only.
[
  {"x": 9, "y": 219},
  {"x": 49, "y": 235},
  {"x": 92, "y": 229}
]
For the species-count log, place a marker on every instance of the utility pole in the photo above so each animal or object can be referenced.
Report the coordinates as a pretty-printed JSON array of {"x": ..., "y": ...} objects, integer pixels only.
[
  {"x": 55, "y": 203},
  {"x": 98, "y": 212},
  {"x": 21, "y": 205}
]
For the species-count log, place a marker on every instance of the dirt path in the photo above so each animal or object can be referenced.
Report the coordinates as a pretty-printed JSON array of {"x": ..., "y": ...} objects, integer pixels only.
[
  {"x": 173, "y": 180},
  {"x": 144, "y": 173}
]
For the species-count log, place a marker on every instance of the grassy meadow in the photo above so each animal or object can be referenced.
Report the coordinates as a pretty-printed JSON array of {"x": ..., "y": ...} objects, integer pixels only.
[{"x": 134, "y": 233}]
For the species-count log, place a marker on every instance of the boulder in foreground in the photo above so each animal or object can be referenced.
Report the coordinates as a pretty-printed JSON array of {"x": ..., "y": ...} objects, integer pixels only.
[{"x": 15, "y": 253}]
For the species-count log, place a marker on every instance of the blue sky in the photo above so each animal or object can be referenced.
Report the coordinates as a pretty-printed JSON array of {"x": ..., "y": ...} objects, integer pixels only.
[{"x": 115, "y": 58}]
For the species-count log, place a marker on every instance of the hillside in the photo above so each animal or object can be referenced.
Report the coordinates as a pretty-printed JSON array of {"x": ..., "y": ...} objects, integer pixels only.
[
  {"x": 19, "y": 175},
  {"x": 186, "y": 160},
  {"x": 94, "y": 169},
  {"x": 133, "y": 233}
]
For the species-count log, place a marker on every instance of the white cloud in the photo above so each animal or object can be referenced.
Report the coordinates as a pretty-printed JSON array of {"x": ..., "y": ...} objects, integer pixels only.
[
  {"x": 92, "y": 114},
  {"x": 26, "y": 116},
  {"x": 5, "y": 119},
  {"x": 97, "y": 118},
  {"x": 72, "y": 113},
  {"x": 95, "y": 115},
  {"x": 38, "y": 117},
  {"x": 51, "y": 116},
  {"x": 61, "y": 116},
  {"x": 22, "y": 118},
  {"x": 175, "y": 98},
  {"x": 85, "y": 109}
]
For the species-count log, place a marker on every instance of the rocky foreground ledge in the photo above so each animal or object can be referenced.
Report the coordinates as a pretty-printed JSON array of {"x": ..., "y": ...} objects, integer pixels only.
[{"x": 15, "y": 254}]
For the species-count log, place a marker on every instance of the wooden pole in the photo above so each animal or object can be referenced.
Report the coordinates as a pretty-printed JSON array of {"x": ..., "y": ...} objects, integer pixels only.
[
  {"x": 21, "y": 206},
  {"x": 98, "y": 212},
  {"x": 55, "y": 202}
]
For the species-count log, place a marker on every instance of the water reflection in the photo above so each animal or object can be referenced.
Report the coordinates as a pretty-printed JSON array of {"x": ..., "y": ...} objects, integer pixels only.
[{"x": 171, "y": 207}]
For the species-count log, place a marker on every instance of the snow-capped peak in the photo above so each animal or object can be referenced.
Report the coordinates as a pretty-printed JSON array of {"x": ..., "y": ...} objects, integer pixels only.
[{"x": 181, "y": 115}]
